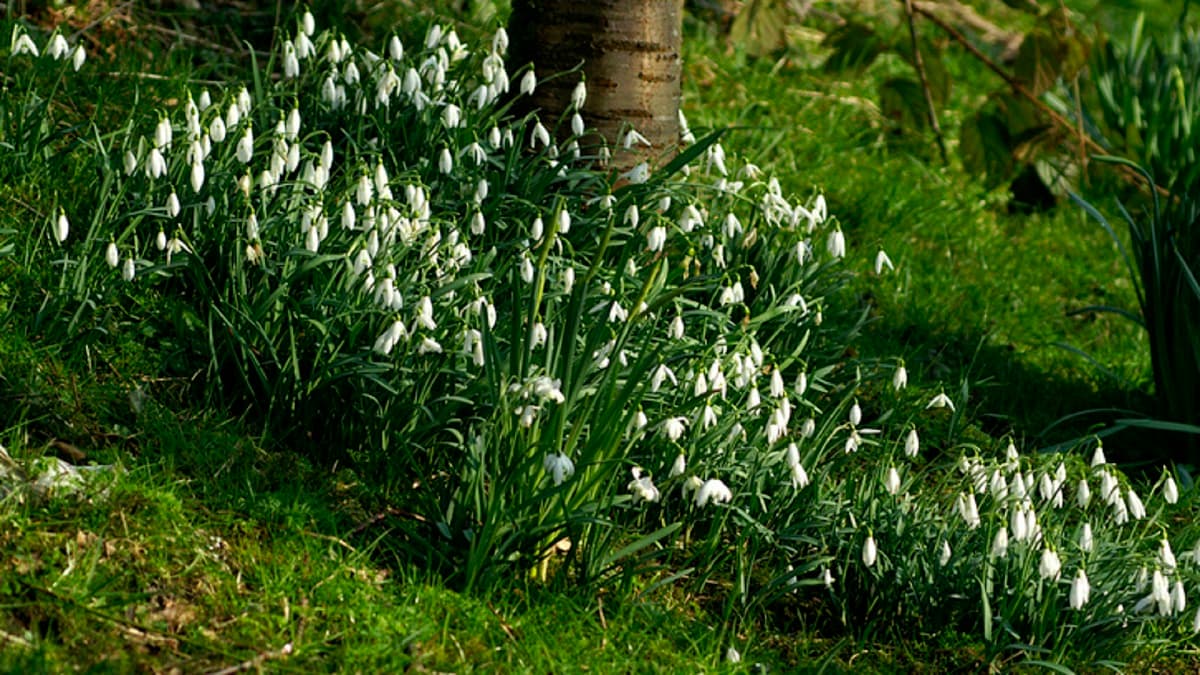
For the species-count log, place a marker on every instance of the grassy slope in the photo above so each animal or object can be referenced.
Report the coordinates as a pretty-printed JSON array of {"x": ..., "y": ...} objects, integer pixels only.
[{"x": 206, "y": 551}]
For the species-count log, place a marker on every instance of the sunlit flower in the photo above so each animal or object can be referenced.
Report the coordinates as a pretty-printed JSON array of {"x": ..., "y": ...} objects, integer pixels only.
[
  {"x": 656, "y": 239},
  {"x": 578, "y": 95},
  {"x": 245, "y": 147},
  {"x": 678, "y": 467},
  {"x": 1178, "y": 598},
  {"x": 390, "y": 338},
  {"x": 429, "y": 346},
  {"x": 111, "y": 255},
  {"x": 713, "y": 491},
  {"x": 1136, "y": 509},
  {"x": 1098, "y": 458},
  {"x": 528, "y": 82},
  {"x": 1170, "y": 490},
  {"x": 78, "y": 57},
  {"x": 128, "y": 270},
  {"x": 1050, "y": 566},
  {"x": 61, "y": 226},
  {"x": 837, "y": 243},
  {"x": 968, "y": 509},
  {"x": 1086, "y": 541},
  {"x": 57, "y": 48},
  {"x": 1166, "y": 555},
  {"x": 900, "y": 377},
  {"x": 1081, "y": 590},
  {"x": 912, "y": 443},
  {"x": 881, "y": 261},
  {"x": 944, "y": 558},
  {"x": 891, "y": 481},
  {"x": 642, "y": 487},
  {"x": 1000, "y": 543},
  {"x": 674, "y": 427},
  {"x": 638, "y": 174},
  {"x": 1083, "y": 493}
]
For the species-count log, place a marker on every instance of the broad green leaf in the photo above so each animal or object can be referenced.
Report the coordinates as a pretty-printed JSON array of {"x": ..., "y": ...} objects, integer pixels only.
[
  {"x": 758, "y": 28},
  {"x": 855, "y": 46},
  {"x": 984, "y": 147},
  {"x": 902, "y": 101}
]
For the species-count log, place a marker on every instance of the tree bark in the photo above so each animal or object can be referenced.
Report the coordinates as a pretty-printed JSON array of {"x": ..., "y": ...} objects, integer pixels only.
[{"x": 630, "y": 56}]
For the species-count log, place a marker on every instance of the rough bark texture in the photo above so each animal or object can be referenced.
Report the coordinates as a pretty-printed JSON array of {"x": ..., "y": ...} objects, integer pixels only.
[{"x": 629, "y": 50}]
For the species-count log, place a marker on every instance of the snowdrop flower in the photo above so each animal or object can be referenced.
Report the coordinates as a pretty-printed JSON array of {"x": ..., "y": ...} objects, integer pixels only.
[
  {"x": 1081, "y": 590},
  {"x": 156, "y": 164},
  {"x": 656, "y": 239},
  {"x": 451, "y": 116},
  {"x": 869, "y": 551},
  {"x": 245, "y": 147},
  {"x": 307, "y": 24},
  {"x": 1166, "y": 555},
  {"x": 642, "y": 487},
  {"x": 559, "y": 467},
  {"x": 638, "y": 174},
  {"x": 1000, "y": 544},
  {"x": 678, "y": 467},
  {"x": 111, "y": 255},
  {"x": 855, "y": 414},
  {"x": 912, "y": 443},
  {"x": 61, "y": 226},
  {"x": 57, "y": 48},
  {"x": 1050, "y": 566},
  {"x": 445, "y": 161},
  {"x": 661, "y": 374},
  {"x": 1170, "y": 490},
  {"x": 778, "y": 390},
  {"x": 940, "y": 401},
  {"x": 564, "y": 221},
  {"x": 128, "y": 270},
  {"x": 900, "y": 377},
  {"x": 528, "y": 82},
  {"x": 78, "y": 57},
  {"x": 22, "y": 43},
  {"x": 944, "y": 558},
  {"x": 172, "y": 204},
  {"x": 1083, "y": 494},
  {"x": 1136, "y": 508},
  {"x": 675, "y": 330},
  {"x": 1098, "y": 458},
  {"x": 291, "y": 62},
  {"x": 891, "y": 481},
  {"x": 539, "y": 135},
  {"x": 881, "y": 261},
  {"x": 836, "y": 243},
  {"x": 579, "y": 95},
  {"x": 808, "y": 428},
  {"x": 799, "y": 475},
  {"x": 969, "y": 509},
  {"x": 1086, "y": 542},
  {"x": 801, "y": 384},
  {"x": 390, "y": 337},
  {"x": 424, "y": 317},
  {"x": 673, "y": 427},
  {"x": 1178, "y": 598},
  {"x": 713, "y": 491}
]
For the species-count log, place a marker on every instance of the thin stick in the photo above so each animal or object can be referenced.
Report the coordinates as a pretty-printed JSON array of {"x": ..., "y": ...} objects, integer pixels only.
[
  {"x": 1016, "y": 85},
  {"x": 919, "y": 62}
]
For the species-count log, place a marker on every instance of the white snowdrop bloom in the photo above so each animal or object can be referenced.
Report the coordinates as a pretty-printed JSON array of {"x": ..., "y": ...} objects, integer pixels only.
[
  {"x": 537, "y": 229},
  {"x": 638, "y": 174},
  {"x": 473, "y": 346},
  {"x": 881, "y": 261},
  {"x": 673, "y": 427},
  {"x": 312, "y": 240},
  {"x": 500, "y": 41},
  {"x": 944, "y": 556},
  {"x": 1086, "y": 540},
  {"x": 477, "y": 154},
  {"x": 798, "y": 474},
  {"x": 538, "y": 335},
  {"x": 175, "y": 245},
  {"x": 307, "y": 24},
  {"x": 675, "y": 330},
  {"x": 527, "y": 271},
  {"x": 968, "y": 509},
  {"x": 1196, "y": 623},
  {"x": 900, "y": 377},
  {"x": 855, "y": 415},
  {"x": 163, "y": 134},
  {"x": 912, "y": 443},
  {"x": 445, "y": 161},
  {"x": 481, "y": 190},
  {"x": 732, "y": 655},
  {"x": 870, "y": 552},
  {"x": 128, "y": 270},
  {"x": 1081, "y": 590},
  {"x": 1170, "y": 490},
  {"x": 801, "y": 384},
  {"x": 1018, "y": 523},
  {"x": 78, "y": 57},
  {"x": 291, "y": 62},
  {"x": 808, "y": 427},
  {"x": 539, "y": 135},
  {"x": 940, "y": 401},
  {"x": 478, "y": 224},
  {"x": 690, "y": 219},
  {"x": 1160, "y": 593},
  {"x": 568, "y": 280},
  {"x": 197, "y": 175},
  {"x": 678, "y": 467},
  {"x": 753, "y": 399},
  {"x": 424, "y": 317},
  {"x": 579, "y": 95},
  {"x": 396, "y": 49},
  {"x": 528, "y": 82},
  {"x": 451, "y": 116},
  {"x": 429, "y": 346},
  {"x": 292, "y": 125},
  {"x": 999, "y": 548},
  {"x": 111, "y": 255},
  {"x": 577, "y": 126},
  {"x": 661, "y": 374},
  {"x": 700, "y": 385},
  {"x": 559, "y": 466},
  {"x": 156, "y": 164},
  {"x": 1083, "y": 494},
  {"x": 1109, "y": 488},
  {"x": 708, "y": 417},
  {"x": 836, "y": 243},
  {"x": 130, "y": 163},
  {"x": 62, "y": 227},
  {"x": 777, "y": 388},
  {"x": 642, "y": 487},
  {"x": 1166, "y": 555},
  {"x": 22, "y": 43},
  {"x": 891, "y": 481},
  {"x": 564, "y": 221},
  {"x": 1136, "y": 509},
  {"x": 1120, "y": 511},
  {"x": 245, "y": 147},
  {"x": 57, "y": 48},
  {"x": 216, "y": 129},
  {"x": 732, "y": 226},
  {"x": 1050, "y": 567},
  {"x": 1098, "y": 458},
  {"x": 1178, "y": 598},
  {"x": 172, "y": 204},
  {"x": 304, "y": 46},
  {"x": 390, "y": 338},
  {"x": 713, "y": 491}
]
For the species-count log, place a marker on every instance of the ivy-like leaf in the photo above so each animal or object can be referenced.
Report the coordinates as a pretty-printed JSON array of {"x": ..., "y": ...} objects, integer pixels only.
[
  {"x": 984, "y": 144},
  {"x": 902, "y": 101},
  {"x": 935, "y": 69}
]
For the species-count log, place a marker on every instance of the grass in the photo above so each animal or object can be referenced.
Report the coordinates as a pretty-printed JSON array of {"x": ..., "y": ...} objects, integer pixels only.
[{"x": 209, "y": 548}]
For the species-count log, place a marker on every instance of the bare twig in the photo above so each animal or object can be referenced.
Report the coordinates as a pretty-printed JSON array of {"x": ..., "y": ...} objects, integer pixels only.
[
  {"x": 1131, "y": 175},
  {"x": 256, "y": 662},
  {"x": 919, "y": 62}
]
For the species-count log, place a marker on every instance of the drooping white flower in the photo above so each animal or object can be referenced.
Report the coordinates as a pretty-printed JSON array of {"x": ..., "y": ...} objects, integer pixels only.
[
  {"x": 61, "y": 227},
  {"x": 940, "y": 401},
  {"x": 128, "y": 270},
  {"x": 881, "y": 261},
  {"x": 1086, "y": 541},
  {"x": 674, "y": 427},
  {"x": 900, "y": 377},
  {"x": 1178, "y": 598},
  {"x": 1000, "y": 544},
  {"x": 870, "y": 552},
  {"x": 57, "y": 48},
  {"x": 245, "y": 147},
  {"x": 1098, "y": 458},
  {"x": 390, "y": 338},
  {"x": 156, "y": 164},
  {"x": 944, "y": 558},
  {"x": 1081, "y": 590},
  {"x": 528, "y": 82},
  {"x": 1136, "y": 509},
  {"x": 891, "y": 481},
  {"x": 656, "y": 238},
  {"x": 579, "y": 95},
  {"x": 713, "y": 491},
  {"x": 1083, "y": 494},
  {"x": 836, "y": 243},
  {"x": 1170, "y": 490},
  {"x": 642, "y": 487},
  {"x": 78, "y": 57},
  {"x": 1050, "y": 567},
  {"x": 111, "y": 255},
  {"x": 855, "y": 415},
  {"x": 912, "y": 443},
  {"x": 559, "y": 466},
  {"x": 968, "y": 508},
  {"x": 1166, "y": 555}
]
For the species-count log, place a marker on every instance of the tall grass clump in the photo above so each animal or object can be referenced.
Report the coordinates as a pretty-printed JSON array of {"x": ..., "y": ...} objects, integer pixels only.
[
  {"x": 1145, "y": 94},
  {"x": 572, "y": 374}
]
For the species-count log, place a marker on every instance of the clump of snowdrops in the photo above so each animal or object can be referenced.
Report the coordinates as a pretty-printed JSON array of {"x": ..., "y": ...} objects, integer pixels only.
[{"x": 371, "y": 254}]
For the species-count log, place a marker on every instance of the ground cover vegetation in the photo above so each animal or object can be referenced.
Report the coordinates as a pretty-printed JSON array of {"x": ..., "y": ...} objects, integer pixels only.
[{"x": 368, "y": 371}]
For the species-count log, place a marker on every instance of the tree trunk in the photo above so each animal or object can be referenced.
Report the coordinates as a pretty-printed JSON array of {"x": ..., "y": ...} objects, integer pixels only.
[{"x": 629, "y": 50}]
